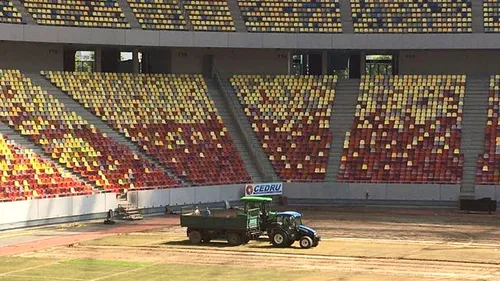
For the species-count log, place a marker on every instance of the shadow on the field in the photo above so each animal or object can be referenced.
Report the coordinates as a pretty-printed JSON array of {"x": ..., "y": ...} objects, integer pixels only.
[{"x": 213, "y": 243}]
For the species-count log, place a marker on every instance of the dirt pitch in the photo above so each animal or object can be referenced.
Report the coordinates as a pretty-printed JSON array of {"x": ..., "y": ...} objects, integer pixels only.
[{"x": 358, "y": 244}]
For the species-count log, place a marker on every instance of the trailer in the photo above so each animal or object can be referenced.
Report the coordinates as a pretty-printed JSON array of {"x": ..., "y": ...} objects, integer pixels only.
[{"x": 237, "y": 227}]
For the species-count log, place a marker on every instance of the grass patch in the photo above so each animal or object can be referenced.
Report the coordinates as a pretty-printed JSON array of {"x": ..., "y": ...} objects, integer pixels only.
[
  {"x": 94, "y": 262},
  {"x": 8, "y": 264},
  {"x": 126, "y": 240}
]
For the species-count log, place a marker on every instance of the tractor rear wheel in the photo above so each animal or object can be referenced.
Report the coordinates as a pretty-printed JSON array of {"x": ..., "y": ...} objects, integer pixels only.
[
  {"x": 306, "y": 242},
  {"x": 233, "y": 239},
  {"x": 279, "y": 239},
  {"x": 195, "y": 237}
]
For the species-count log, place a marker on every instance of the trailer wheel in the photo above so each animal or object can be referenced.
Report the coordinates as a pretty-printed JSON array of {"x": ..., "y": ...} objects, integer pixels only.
[
  {"x": 233, "y": 239},
  {"x": 279, "y": 239},
  {"x": 205, "y": 238},
  {"x": 195, "y": 237},
  {"x": 306, "y": 242},
  {"x": 245, "y": 238}
]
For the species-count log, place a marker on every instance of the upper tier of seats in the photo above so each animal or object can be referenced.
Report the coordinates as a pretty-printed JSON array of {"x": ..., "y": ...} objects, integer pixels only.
[
  {"x": 305, "y": 16},
  {"x": 9, "y": 13},
  {"x": 291, "y": 117},
  {"x": 158, "y": 14},
  {"x": 81, "y": 13},
  {"x": 209, "y": 15},
  {"x": 488, "y": 166},
  {"x": 26, "y": 175},
  {"x": 170, "y": 116},
  {"x": 407, "y": 129},
  {"x": 491, "y": 13},
  {"x": 71, "y": 140},
  {"x": 411, "y": 16}
]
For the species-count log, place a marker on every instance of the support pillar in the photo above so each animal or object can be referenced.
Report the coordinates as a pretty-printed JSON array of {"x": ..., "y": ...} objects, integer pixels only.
[
  {"x": 135, "y": 61},
  {"x": 324, "y": 62},
  {"x": 98, "y": 60}
]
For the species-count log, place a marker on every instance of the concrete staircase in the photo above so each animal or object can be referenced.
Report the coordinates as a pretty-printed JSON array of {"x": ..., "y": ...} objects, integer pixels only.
[
  {"x": 96, "y": 121},
  {"x": 129, "y": 15},
  {"x": 474, "y": 122},
  {"x": 477, "y": 17},
  {"x": 344, "y": 107},
  {"x": 25, "y": 14},
  {"x": 253, "y": 146},
  {"x": 233, "y": 128},
  {"x": 239, "y": 23},
  {"x": 346, "y": 16},
  {"x": 189, "y": 25},
  {"x": 126, "y": 210},
  {"x": 23, "y": 141}
]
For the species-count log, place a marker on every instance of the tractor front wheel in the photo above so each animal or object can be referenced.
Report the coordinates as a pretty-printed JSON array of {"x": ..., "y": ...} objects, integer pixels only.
[
  {"x": 306, "y": 242},
  {"x": 279, "y": 239}
]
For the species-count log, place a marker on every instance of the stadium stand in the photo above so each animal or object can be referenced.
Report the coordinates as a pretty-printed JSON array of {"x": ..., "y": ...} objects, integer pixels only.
[
  {"x": 209, "y": 15},
  {"x": 158, "y": 14},
  {"x": 170, "y": 116},
  {"x": 9, "y": 13},
  {"x": 291, "y": 117},
  {"x": 305, "y": 16},
  {"x": 488, "y": 167},
  {"x": 409, "y": 16},
  {"x": 407, "y": 129},
  {"x": 80, "y": 13},
  {"x": 26, "y": 175},
  {"x": 491, "y": 13},
  {"x": 72, "y": 141}
]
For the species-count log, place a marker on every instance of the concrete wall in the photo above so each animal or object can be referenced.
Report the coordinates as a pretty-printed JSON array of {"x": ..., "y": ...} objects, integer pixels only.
[
  {"x": 30, "y": 57},
  {"x": 142, "y": 38},
  {"x": 236, "y": 61},
  {"x": 185, "y": 196},
  {"x": 470, "y": 62},
  {"x": 24, "y": 213}
]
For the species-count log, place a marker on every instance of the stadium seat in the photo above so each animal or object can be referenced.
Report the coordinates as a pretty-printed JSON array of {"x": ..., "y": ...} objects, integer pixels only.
[
  {"x": 291, "y": 16},
  {"x": 26, "y": 175},
  {"x": 412, "y": 16},
  {"x": 488, "y": 167},
  {"x": 9, "y": 13},
  {"x": 80, "y": 13},
  {"x": 209, "y": 15},
  {"x": 158, "y": 14},
  {"x": 407, "y": 129},
  {"x": 491, "y": 15},
  {"x": 291, "y": 117},
  {"x": 72, "y": 141},
  {"x": 171, "y": 117}
]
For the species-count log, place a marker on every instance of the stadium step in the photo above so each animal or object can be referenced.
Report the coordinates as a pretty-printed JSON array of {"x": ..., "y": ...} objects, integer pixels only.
[
  {"x": 25, "y": 14},
  {"x": 242, "y": 126},
  {"x": 344, "y": 107},
  {"x": 23, "y": 141},
  {"x": 477, "y": 17},
  {"x": 73, "y": 105},
  {"x": 474, "y": 122},
  {"x": 129, "y": 15},
  {"x": 234, "y": 130},
  {"x": 189, "y": 25},
  {"x": 346, "y": 17},
  {"x": 234, "y": 8}
]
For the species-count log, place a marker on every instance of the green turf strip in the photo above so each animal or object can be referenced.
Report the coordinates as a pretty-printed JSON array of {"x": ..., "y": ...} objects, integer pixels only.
[{"x": 8, "y": 264}]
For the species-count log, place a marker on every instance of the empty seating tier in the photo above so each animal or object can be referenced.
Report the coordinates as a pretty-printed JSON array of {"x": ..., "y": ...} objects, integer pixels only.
[
  {"x": 158, "y": 14},
  {"x": 170, "y": 116},
  {"x": 489, "y": 163},
  {"x": 9, "y": 13},
  {"x": 304, "y": 16},
  {"x": 407, "y": 129},
  {"x": 491, "y": 13},
  {"x": 71, "y": 140},
  {"x": 81, "y": 13},
  {"x": 26, "y": 175},
  {"x": 411, "y": 16},
  {"x": 209, "y": 15},
  {"x": 291, "y": 117}
]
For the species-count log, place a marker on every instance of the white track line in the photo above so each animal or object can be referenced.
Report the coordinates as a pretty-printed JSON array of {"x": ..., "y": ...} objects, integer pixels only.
[
  {"x": 121, "y": 273},
  {"x": 29, "y": 268},
  {"x": 46, "y": 278}
]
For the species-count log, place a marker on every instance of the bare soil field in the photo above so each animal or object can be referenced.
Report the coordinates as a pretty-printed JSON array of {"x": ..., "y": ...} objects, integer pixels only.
[{"x": 357, "y": 244}]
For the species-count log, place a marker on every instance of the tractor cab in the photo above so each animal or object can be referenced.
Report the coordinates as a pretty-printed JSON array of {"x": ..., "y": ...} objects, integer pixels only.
[
  {"x": 267, "y": 217},
  {"x": 288, "y": 228}
]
